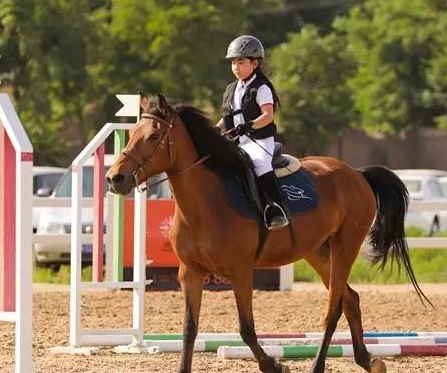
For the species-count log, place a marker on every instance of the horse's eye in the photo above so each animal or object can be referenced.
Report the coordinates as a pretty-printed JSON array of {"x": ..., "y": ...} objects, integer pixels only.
[{"x": 154, "y": 136}]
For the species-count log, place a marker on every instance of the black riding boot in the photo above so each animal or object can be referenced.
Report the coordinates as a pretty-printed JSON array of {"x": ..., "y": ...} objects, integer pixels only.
[{"x": 274, "y": 215}]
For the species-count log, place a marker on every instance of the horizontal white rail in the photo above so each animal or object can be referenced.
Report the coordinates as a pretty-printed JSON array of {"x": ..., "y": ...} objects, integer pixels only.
[
  {"x": 129, "y": 331},
  {"x": 105, "y": 340},
  {"x": 427, "y": 242},
  {"x": 60, "y": 202},
  {"x": 438, "y": 205},
  {"x": 112, "y": 285},
  {"x": 8, "y": 316},
  {"x": 416, "y": 243},
  {"x": 61, "y": 238}
]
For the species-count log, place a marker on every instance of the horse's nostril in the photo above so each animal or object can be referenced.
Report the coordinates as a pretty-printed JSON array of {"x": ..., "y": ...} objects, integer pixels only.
[
  {"x": 118, "y": 179},
  {"x": 109, "y": 180}
]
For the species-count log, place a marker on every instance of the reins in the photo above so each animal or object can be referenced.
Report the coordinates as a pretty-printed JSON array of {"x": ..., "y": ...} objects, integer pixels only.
[{"x": 142, "y": 166}]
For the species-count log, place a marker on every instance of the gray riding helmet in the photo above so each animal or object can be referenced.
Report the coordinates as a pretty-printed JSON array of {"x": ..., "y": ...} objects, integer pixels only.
[{"x": 245, "y": 46}]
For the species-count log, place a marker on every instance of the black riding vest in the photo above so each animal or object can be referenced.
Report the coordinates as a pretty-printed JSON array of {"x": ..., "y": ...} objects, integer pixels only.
[{"x": 249, "y": 108}]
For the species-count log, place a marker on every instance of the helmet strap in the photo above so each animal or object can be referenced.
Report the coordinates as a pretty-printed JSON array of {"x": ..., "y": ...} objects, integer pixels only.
[{"x": 250, "y": 76}]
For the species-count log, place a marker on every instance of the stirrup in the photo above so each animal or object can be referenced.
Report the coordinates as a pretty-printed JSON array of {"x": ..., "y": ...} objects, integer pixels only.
[{"x": 274, "y": 227}]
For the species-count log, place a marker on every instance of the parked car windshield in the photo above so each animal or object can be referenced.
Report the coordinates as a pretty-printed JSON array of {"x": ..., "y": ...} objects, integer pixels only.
[
  {"x": 63, "y": 189},
  {"x": 435, "y": 188},
  {"x": 444, "y": 189},
  {"x": 48, "y": 181},
  {"x": 413, "y": 186}
]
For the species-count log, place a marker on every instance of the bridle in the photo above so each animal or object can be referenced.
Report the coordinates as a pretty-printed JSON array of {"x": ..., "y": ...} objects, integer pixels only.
[
  {"x": 142, "y": 165},
  {"x": 138, "y": 174}
]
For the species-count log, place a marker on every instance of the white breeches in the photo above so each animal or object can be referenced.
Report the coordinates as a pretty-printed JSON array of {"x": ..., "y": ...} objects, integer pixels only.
[{"x": 262, "y": 160}]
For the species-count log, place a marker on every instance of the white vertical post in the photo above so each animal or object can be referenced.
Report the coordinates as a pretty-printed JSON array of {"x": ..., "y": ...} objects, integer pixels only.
[
  {"x": 286, "y": 277},
  {"x": 77, "y": 335},
  {"x": 139, "y": 265},
  {"x": 109, "y": 236},
  {"x": 23, "y": 314},
  {"x": 76, "y": 257},
  {"x": 24, "y": 263}
]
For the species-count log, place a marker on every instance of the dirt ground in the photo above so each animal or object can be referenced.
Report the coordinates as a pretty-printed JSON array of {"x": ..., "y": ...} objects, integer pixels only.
[{"x": 296, "y": 311}]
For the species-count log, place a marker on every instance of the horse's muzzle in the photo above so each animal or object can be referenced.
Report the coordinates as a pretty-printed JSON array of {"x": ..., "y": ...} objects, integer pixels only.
[{"x": 120, "y": 183}]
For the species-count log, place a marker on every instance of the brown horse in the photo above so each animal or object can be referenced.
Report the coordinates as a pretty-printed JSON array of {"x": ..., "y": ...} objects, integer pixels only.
[{"x": 209, "y": 236}]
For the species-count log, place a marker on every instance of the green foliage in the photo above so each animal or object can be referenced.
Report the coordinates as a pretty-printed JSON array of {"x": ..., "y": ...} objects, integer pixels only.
[
  {"x": 182, "y": 47},
  {"x": 382, "y": 66},
  {"x": 65, "y": 60},
  {"x": 310, "y": 72},
  {"x": 414, "y": 231},
  {"x": 441, "y": 233},
  {"x": 428, "y": 264},
  {"x": 399, "y": 50},
  {"x": 62, "y": 276},
  {"x": 46, "y": 48}
]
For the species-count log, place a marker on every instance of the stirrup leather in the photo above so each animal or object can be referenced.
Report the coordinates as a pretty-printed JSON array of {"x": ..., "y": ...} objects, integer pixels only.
[{"x": 275, "y": 205}]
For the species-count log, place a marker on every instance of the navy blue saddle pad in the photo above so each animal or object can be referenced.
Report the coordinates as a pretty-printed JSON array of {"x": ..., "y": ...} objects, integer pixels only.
[{"x": 297, "y": 190}]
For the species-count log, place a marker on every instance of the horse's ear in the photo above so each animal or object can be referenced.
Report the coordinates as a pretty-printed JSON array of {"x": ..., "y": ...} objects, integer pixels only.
[
  {"x": 144, "y": 100},
  {"x": 163, "y": 104}
]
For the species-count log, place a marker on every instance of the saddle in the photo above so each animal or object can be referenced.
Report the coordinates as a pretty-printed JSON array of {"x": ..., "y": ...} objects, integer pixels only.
[
  {"x": 284, "y": 164},
  {"x": 295, "y": 184}
]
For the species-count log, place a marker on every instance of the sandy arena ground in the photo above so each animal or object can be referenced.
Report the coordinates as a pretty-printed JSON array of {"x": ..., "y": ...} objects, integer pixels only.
[{"x": 384, "y": 308}]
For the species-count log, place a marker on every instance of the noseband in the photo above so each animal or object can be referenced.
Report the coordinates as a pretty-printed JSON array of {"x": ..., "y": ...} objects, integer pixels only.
[{"x": 142, "y": 166}]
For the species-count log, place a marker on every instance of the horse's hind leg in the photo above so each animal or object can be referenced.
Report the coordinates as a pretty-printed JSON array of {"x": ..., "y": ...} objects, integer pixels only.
[
  {"x": 337, "y": 284},
  {"x": 243, "y": 292},
  {"x": 191, "y": 282},
  {"x": 338, "y": 261},
  {"x": 351, "y": 309}
]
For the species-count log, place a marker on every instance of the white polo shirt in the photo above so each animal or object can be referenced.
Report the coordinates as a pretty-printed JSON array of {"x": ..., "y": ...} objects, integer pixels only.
[{"x": 263, "y": 96}]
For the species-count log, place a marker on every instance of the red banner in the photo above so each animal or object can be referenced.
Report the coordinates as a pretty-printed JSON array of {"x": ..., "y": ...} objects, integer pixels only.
[{"x": 158, "y": 248}]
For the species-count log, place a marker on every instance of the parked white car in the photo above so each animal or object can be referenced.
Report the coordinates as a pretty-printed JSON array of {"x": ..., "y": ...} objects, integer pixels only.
[
  {"x": 443, "y": 182},
  {"x": 424, "y": 185},
  {"x": 45, "y": 180},
  {"x": 57, "y": 220},
  {"x": 421, "y": 172}
]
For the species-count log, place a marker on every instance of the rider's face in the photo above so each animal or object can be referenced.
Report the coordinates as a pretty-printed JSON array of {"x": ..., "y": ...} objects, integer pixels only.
[{"x": 243, "y": 67}]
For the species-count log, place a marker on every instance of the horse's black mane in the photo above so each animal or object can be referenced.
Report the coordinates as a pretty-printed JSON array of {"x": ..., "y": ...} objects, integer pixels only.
[{"x": 226, "y": 157}]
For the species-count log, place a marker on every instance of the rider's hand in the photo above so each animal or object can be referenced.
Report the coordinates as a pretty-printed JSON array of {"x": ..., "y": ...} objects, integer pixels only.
[
  {"x": 217, "y": 129},
  {"x": 243, "y": 129}
]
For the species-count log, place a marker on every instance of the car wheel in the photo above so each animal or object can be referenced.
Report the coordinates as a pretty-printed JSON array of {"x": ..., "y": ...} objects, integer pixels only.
[
  {"x": 55, "y": 267},
  {"x": 434, "y": 228}
]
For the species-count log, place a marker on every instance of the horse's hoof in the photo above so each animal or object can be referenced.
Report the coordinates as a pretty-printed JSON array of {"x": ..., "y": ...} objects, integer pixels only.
[
  {"x": 278, "y": 368},
  {"x": 378, "y": 366},
  {"x": 284, "y": 368}
]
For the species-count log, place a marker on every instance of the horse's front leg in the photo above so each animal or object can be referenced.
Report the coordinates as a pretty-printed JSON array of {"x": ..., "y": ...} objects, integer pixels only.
[
  {"x": 243, "y": 291},
  {"x": 191, "y": 282}
]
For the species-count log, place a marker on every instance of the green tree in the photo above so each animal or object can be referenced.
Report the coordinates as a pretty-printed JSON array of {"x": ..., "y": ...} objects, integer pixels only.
[
  {"x": 65, "y": 60},
  {"x": 400, "y": 55},
  {"x": 437, "y": 68},
  {"x": 310, "y": 73},
  {"x": 46, "y": 50},
  {"x": 177, "y": 47}
]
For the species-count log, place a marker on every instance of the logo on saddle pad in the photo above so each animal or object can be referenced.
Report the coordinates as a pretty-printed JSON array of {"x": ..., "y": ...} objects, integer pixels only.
[
  {"x": 297, "y": 189},
  {"x": 294, "y": 193}
]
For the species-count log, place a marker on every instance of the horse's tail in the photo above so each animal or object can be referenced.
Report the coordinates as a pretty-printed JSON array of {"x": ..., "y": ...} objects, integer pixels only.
[{"x": 387, "y": 235}]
